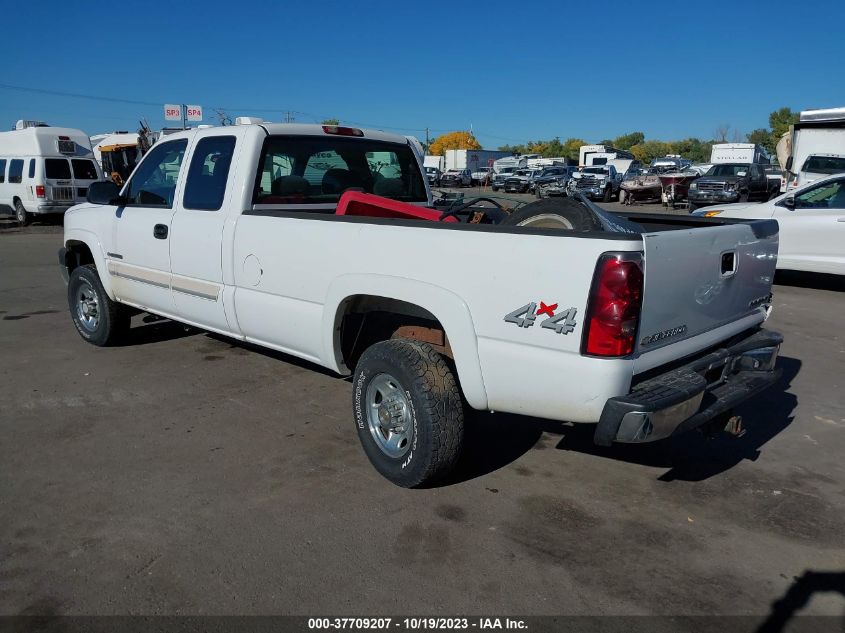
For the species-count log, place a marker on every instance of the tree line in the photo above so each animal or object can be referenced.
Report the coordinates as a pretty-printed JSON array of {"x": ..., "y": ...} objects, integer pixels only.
[{"x": 695, "y": 149}]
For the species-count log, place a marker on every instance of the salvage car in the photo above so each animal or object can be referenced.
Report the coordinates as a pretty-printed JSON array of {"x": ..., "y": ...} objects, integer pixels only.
[
  {"x": 456, "y": 178},
  {"x": 287, "y": 236},
  {"x": 552, "y": 181},
  {"x": 481, "y": 176},
  {"x": 732, "y": 182},
  {"x": 433, "y": 175},
  {"x": 518, "y": 181},
  {"x": 811, "y": 220},
  {"x": 598, "y": 182}
]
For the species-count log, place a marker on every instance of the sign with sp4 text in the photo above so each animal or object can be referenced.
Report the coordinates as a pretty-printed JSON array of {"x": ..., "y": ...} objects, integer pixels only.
[
  {"x": 172, "y": 112},
  {"x": 194, "y": 112}
]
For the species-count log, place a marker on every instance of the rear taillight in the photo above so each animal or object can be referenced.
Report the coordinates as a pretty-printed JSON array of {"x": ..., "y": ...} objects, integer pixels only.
[
  {"x": 613, "y": 309},
  {"x": 40, "y": 191},
  {"x": 342, "y": 131}
]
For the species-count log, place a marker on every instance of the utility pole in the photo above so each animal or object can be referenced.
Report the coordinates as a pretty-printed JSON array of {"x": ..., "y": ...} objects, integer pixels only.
[
  {"x": 289, "y": 118},
  {"x": 427, "y": 143}
]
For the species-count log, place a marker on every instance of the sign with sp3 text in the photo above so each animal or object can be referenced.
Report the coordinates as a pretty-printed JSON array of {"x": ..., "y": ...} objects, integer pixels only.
[{"x": 172, "y": 112}]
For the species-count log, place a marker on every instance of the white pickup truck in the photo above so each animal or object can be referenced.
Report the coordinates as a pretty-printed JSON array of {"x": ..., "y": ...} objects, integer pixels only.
[{"x": 320, "y": 241}]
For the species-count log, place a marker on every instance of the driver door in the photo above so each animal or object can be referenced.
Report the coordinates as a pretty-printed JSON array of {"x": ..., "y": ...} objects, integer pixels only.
[
  {"x": 814, "y": 230},
  {"x": 140, "y": 263}
]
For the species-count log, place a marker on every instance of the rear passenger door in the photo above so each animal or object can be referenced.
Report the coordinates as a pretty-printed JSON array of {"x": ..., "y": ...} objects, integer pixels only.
[{"x": 196, "y": 244}]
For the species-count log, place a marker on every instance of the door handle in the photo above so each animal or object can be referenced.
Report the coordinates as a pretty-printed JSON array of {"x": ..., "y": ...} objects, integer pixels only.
[
  {"x": 160, "y": 231},
  {"x": 841, "y": 220}
]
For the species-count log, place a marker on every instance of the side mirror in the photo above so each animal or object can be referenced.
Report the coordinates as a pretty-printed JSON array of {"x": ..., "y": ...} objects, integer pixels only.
[
  {"x": 104, "y": 192},
  {"x": 789, "y": 202}
]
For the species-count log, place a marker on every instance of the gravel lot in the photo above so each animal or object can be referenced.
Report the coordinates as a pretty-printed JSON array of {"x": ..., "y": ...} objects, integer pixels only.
[{"x": 184, "y": 473}]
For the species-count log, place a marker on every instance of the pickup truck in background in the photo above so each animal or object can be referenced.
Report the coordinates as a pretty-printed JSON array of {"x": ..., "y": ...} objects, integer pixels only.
[
  {"x": 598, "y": 182},
  {"x": 732, "y": 182},
  {"x": 320, "y": 242}
]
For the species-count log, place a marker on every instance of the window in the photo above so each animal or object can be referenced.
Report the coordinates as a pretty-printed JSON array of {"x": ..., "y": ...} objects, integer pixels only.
[
  {"x": 824, "y": 164},
  {"x": 727, "y": 170},
  {"x": 56, "y": 169},
  {"x": 317, "y": 169},
  {"x": 206, "y": 184},
  {"x": 16, "y": 170},
  {"x": 154, "y": 182},
  {"x": 32, "y": 168},
  {"x": 3, "y": 170},
  {"x": 830, "y": 195},
  {"x": 84, "y": 169}
]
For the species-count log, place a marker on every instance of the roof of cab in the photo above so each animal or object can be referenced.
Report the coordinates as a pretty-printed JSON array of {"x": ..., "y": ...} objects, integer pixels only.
[{"x": 306, "y": 129}]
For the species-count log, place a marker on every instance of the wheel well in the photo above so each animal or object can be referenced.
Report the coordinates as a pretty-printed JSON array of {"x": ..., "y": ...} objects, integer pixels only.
[
  {"x": 78, "y": 254},
  {"x": 364, "y": 320}
]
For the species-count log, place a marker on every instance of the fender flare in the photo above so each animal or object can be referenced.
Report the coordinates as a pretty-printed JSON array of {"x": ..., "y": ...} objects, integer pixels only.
[
  {"x": 447, "y": 307},
  {"x": 93, "y": 243}
]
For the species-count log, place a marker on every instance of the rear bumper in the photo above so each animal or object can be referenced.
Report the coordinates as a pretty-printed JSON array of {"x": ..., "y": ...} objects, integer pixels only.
[
  {"x": 689, "y": 396},
  {"x": 53, "y": 207}
]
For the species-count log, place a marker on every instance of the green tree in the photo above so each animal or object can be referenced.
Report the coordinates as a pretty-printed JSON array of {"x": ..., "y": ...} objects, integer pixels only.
[
  {"x": 453, "y": 140},
  {"x": 330, "y": 122},
  {"x": 695, "y": 149},
  {"x": 647, "y": 151},
  {"x": 762, "y": 136},
  {"x": 780, "y": 120},
  {"x": 571, "y": 147},
  {"x": 627, "y": 141}
]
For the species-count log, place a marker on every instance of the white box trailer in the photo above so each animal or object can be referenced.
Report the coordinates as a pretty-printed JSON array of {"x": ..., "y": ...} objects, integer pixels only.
[
  {"x": 738, "y": 153},
  {"x": 815, "y": 147},
  {"x": 593, "y": 155},
  {"x": 45, "y": 170},
  {"x": 439, "y": 162},
  {"x": 472, "y": 159}
]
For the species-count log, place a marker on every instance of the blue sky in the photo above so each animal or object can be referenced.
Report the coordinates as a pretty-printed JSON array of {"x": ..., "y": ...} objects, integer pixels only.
[{"x": 513, "y": 72}]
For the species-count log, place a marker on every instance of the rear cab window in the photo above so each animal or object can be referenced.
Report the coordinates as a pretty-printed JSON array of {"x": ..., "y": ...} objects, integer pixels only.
[
  {"x": 2, "y": 170},
  {"x": 316, "y": 170},
  {"x": 205, "y": 187}
]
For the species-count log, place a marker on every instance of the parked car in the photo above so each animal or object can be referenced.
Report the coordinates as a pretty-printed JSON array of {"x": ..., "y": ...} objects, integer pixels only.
[
  {"x": 811, "y": 220},
  {"x": 518, "y": 181},
  {"x": 236, "y": 243},
  {"x": 552, "y": 181},
  {"x": 498, "y": 179},
  {"x": 433, "y": 175},
  {"x": 456, "y": 178},
  {"x": 732, "y": 182},
  {"x": 481, "y": 176},
  {"x": 818, "y": 166},
  {"x": 598, "y": 182}
]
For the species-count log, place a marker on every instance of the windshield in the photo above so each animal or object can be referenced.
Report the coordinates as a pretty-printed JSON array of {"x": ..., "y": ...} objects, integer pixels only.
[
  {"x": 57, "y": 168},
  {"x": 727, "y": 170},
  {"x": 594, "y": 170},
  {"x": 318, "y": 169},
  {"x": 431, "y": 170},
  {"x": 84, "y": 169},
  {"x": 507, "y": 170},
  {"x": 824, "y": 164}
]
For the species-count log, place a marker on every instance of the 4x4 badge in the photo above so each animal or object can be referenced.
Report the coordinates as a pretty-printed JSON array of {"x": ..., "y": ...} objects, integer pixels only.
[{"x": 525, "y": 316}]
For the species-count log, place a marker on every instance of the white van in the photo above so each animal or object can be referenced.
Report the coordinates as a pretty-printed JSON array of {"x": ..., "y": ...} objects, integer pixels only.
[{"x": 44, "y": 170}]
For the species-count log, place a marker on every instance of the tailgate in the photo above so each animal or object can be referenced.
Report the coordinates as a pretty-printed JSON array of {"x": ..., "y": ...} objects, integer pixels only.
[{"x": 701, "y": 278}]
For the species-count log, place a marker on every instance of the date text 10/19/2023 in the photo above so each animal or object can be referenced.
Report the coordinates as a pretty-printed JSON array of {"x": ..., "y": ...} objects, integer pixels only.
[{"x": 416, "y": 624}]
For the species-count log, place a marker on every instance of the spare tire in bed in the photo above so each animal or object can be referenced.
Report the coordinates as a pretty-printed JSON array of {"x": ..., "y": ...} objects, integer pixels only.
[{"x": 561, "y": 213}]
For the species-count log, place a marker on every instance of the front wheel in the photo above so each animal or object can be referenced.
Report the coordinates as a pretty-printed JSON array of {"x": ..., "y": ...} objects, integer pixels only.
[
  {"x": 408, "y": 412},
  {"x": 743, "y": 197},
  {"x": 622, "y": 193},
  {"x": 98, "y": 319},
  {"x": 608, "y": 194}
]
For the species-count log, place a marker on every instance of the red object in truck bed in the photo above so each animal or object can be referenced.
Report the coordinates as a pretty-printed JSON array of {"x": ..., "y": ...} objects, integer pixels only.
[{"x": 363, "y": 204}]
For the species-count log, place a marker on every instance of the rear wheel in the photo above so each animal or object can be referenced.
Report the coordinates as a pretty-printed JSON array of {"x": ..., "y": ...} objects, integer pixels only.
[
  {"x": 408, "y": 412},
  {"x": 98, "y": 319},
  {"x": 566, "y": 213},
  {"x": 21, "y": 214}
]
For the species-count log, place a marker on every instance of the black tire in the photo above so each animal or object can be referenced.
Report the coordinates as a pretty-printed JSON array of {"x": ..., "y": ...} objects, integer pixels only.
[
  {"x": 21, "y": 214},
  {"x": 743, "y": 197},
  {"x": 538, "y": 192},
  {"x": 608, "y": 194},
  {"x": 691, "y": 207},
  {"x": 774, "y": 193},
  {"x": 432, "y": 411},
  {"x": 621, "y": 196},
  {"x": 563, "y": 213},
  {"x": 110, "y": 321}
]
